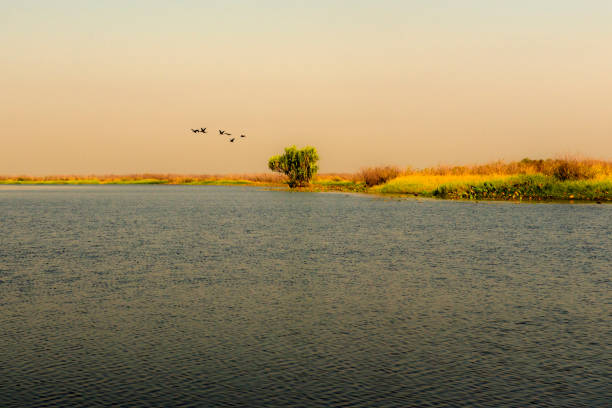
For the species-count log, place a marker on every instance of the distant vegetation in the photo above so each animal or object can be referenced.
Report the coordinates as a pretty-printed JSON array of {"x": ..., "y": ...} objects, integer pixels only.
[
  {"x": 552, "y": 179},
  {"x": 561, "y": 169},
  {"x": 535, "y": 187},
  {"x": 534, "y": 180},
  {"x": 299, "y": 165},
  {"x": 373, "y": 176},
  {"x": 152, "y": 178}
]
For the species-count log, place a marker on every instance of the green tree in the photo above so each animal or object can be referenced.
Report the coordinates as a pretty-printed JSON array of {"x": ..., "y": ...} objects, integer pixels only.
[{"x": 300, "y": 165}]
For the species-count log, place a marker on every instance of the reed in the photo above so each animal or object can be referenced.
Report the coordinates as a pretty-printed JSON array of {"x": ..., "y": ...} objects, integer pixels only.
[
  {"x": 564, "y": 178},
  {"x": 532, "y": 187},
  {"x": 426, "y": 184},
  {"x": 148, "y": 178},
  {"x": 566, "y": 168},
  {"x": 373, "y": 176}
]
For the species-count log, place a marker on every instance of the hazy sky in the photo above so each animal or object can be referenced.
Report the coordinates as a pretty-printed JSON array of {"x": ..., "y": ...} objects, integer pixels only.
[{"x": 114, "y": 86}]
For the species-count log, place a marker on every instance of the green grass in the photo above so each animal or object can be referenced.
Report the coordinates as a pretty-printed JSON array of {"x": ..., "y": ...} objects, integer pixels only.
[
  {"x": 138, "y": 181},
  {"x": 425, "y": 185},
  {"x": 521, "y": 187},
  {"x": 340, "y": 185},
  {"x": 533, "y": 187},
  {"x": 219, "y": 183}
]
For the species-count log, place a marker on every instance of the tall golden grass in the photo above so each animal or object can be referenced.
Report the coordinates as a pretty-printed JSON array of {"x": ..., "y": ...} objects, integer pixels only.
[
  {"x": 419, "y": 183},
  {"x": 564, "y": 178},
  {"x": 567, "y": 168},
  {"x": 373, "y": 176},
  {"x": 263, "y": 178}
]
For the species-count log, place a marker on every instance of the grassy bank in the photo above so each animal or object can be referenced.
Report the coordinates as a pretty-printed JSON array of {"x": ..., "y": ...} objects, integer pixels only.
[
  {"x": 532, "y": 187},
  {"x": 241, "y": 179},
  {"x": 527, "y": 180},
  {"x": 531, "y": 180}
]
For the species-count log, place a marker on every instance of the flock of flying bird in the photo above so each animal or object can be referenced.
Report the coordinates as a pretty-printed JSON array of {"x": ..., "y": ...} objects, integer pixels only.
[{"x": 221, "y": 132}]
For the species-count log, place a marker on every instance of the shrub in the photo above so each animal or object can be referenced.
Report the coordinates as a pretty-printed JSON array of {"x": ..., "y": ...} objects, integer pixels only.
[
  {"x": 374, "y": 176},
  {"x": 571, "y": 170},
  {"x": 299, "y": 165}
]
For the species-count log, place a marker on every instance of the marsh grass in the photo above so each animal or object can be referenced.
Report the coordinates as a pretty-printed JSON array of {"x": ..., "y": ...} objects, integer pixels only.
[
  {"x": 373, "y": 176},
  {"x": 149, "y": 178},
  {"x": 551, "y": 179},
  {"x": 566, "y": 168},
  {"x": 339, "y": 185},
  {"x": 530, "y": 187},
  {"x": 425, "y": 184}
]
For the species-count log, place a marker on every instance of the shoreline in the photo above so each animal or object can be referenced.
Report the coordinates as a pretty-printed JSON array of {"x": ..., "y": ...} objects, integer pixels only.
[{"x": 519, "y": 188}]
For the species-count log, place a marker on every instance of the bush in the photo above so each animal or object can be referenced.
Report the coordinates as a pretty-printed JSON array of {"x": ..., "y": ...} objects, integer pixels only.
[
  {"x": 571, "y": 170},
  {"x": 299, "y": 165},
  {"x": 378, "y": 175}
]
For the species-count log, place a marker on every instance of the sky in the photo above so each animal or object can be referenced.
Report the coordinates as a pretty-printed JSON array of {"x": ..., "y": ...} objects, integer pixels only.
[{"x": 100, "y": 87}]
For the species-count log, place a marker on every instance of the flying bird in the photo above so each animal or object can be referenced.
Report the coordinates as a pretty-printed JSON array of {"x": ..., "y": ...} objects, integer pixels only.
[
  {"x": 221, "y": 131},
  {"x": 203, "y": 130},
  {"x": 242, "y": 135},
  {"x": 227, "y": 134},
  {"x": 195, "y": 130},
  {"x": 232, "y": 139}
]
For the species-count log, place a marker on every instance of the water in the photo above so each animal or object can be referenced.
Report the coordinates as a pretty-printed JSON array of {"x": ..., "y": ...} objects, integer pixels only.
[{"x": 235, "y": 296}]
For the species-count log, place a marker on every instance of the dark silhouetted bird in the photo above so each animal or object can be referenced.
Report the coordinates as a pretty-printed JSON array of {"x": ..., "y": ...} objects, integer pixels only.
[
  {"x": 242, "y": 135},
  {"x": 195, "y": 130},
  {"x": 232, "y": 139},
  {"x": 221, "y": 131},
  {"x": 227, "y": 134},
  {"x": 203, "y": 130}
]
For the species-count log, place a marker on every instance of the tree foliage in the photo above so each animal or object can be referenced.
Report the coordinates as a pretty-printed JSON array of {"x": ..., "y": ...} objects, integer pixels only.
[{"x": 300, "y": 165}]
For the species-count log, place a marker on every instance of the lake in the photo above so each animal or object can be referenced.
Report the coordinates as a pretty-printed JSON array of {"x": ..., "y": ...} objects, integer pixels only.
[{"x": 241, "y": 297}]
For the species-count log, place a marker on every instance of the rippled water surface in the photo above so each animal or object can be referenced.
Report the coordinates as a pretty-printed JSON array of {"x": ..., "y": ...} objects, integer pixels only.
[{"x": 234, "y": 296}]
